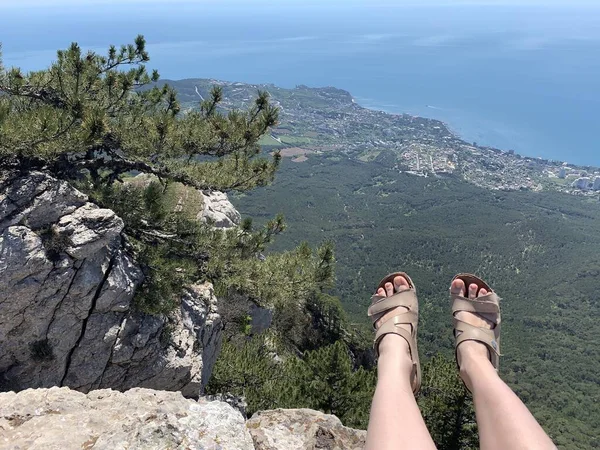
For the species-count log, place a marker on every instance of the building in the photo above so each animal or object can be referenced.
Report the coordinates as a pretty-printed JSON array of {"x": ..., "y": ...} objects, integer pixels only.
[
  {"x": 597, "y": 184},
  {"x": 562, "y": 173},
  {"x": 582, "y": 183}
]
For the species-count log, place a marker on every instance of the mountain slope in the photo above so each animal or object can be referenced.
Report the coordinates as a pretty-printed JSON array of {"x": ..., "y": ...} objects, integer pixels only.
[{"x": 540, "y": 251}]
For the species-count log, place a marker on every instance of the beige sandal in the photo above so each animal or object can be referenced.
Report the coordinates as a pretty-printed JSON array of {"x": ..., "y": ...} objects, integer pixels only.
[
  {"x": 486, "y": 304},
  {"x": 381, "y": 305}
]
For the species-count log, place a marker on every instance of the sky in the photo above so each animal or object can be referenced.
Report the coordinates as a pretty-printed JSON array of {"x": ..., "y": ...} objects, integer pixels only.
[
  {"x": 25, "y": 25},
  {"x": 20, "y": 4}
]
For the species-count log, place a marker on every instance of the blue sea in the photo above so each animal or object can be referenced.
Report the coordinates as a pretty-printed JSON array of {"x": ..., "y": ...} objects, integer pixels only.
[{"x": 522, "y": 76}]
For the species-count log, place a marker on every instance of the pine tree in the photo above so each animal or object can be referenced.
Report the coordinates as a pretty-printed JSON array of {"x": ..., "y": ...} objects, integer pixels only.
[
  {"x": 447, "y": 406},
  {"x": 101, "y": 116},
  {"x": 97, "y": 120}
]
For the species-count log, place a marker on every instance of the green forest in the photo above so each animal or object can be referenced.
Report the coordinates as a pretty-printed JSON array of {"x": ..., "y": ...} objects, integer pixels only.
[{"x": 540, "y": 251}]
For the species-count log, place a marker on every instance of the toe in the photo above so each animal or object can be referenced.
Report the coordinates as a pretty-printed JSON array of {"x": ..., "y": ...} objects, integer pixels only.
[
  {"x": 401, "y": 283},
  {"x": 482, "y": 292},
  {"x": 381, "y": 292},
  {"x": 389, "y": 289},
  {"x": 472, "y": 290},
  {"x": 458, "y": 287}
]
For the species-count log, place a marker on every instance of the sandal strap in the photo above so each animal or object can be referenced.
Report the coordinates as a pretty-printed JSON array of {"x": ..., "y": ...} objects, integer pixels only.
[
  {"x": 406, "y": 298},
  {"x": 486, "y": 304},
  {"x": 381, "y": 305},
  {"x": 489, "y": 337},
  {"x": 391, "y": 327}
]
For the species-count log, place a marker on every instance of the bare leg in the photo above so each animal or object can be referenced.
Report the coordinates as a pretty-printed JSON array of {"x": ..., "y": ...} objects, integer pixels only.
[
  {"x": 503, "y": 420},
  {"x": 395, "y": 421}
]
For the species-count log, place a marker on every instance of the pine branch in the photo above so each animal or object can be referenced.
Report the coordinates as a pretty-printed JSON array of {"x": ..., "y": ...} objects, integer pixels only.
[
  {"x": 55, "y": 136},
  {"x": 44, "y": 95},
  {"x": 122, "y": 165}
]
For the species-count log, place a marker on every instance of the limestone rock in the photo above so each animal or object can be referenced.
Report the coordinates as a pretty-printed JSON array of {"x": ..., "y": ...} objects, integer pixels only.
[
  {"x": 66, "y": 287},
  {"x": 194, "y": 334},
  {"x": 36, "y": 198},
  {"x": 213, "y": 207},
  {"x": 62, "y": 419},
  {"x": 302, "y": 429},
  {"x": 219, "y": 211},
  {"x": 236, "y": 402}
]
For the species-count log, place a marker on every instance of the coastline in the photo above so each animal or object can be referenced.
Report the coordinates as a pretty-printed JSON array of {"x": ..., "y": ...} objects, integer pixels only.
[
  {"x": 452, "y": 129},
  {"x": 343, "y": 98}
]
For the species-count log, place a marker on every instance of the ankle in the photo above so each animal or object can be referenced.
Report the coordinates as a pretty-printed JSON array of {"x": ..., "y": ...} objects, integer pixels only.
[
  {"x": 394, "y": 356},
  {"x": 393, "y": 345},
  {"x": 474, "y": 366}
]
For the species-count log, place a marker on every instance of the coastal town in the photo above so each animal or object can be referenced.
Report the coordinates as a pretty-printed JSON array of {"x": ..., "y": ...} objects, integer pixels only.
[{"x": 328, "y": 120}]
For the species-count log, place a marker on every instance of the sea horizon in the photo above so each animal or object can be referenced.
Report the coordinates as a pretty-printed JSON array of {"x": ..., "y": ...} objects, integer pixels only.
[{"x": 520, "y": 78}]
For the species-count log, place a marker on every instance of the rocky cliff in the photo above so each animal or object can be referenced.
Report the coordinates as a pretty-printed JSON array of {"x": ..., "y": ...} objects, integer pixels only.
[
  {"x": 69, "y": 329},
  {"x": 62, "y": 419},
  {"x": 66, "y": 290}
]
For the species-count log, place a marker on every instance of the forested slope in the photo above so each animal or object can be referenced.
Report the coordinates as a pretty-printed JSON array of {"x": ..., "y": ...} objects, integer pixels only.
[{"x": 540, "y": 251}]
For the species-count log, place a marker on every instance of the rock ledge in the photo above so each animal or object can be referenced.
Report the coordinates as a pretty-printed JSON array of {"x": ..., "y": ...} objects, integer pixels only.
[{"x": 63, "y": 419}]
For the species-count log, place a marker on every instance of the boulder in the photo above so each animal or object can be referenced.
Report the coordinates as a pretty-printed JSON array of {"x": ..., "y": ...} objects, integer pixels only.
[
  {"x": 302, "y": 429},
  {"x": 62, "y": 419},
  {"x": 219, "y": 211}
]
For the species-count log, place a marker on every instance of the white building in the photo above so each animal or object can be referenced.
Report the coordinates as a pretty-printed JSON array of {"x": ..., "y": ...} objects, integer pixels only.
[
  {"x": 597, "y": 184},
  {"x": 582, "y": 183},
  {"x": 562, "y": 173}
]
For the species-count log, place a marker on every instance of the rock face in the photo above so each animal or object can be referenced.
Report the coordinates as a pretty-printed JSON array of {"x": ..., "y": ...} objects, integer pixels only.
[
  {"x": 219, "y": 211},
  {"x": 66, "y": 288},
  {"x": 302, "y": 429},
  {"x": 62, "y": 419},
  {"x": 213, "y": 207},
  {"x": 59, "y": 418},
  {"x": 262, "y": 318}
]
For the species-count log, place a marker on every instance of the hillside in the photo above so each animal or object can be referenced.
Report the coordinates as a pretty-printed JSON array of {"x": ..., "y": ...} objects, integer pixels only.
[
  {"x": 123, "y": 264},
  {"x": 353, "y": 179}
]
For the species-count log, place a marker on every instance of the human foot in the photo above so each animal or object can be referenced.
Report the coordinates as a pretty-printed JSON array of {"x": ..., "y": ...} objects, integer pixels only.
[
  {"x": 394, "y": 311},
  {"x": 477, "y": 325},
  {"x": 396, "y": 343}
]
